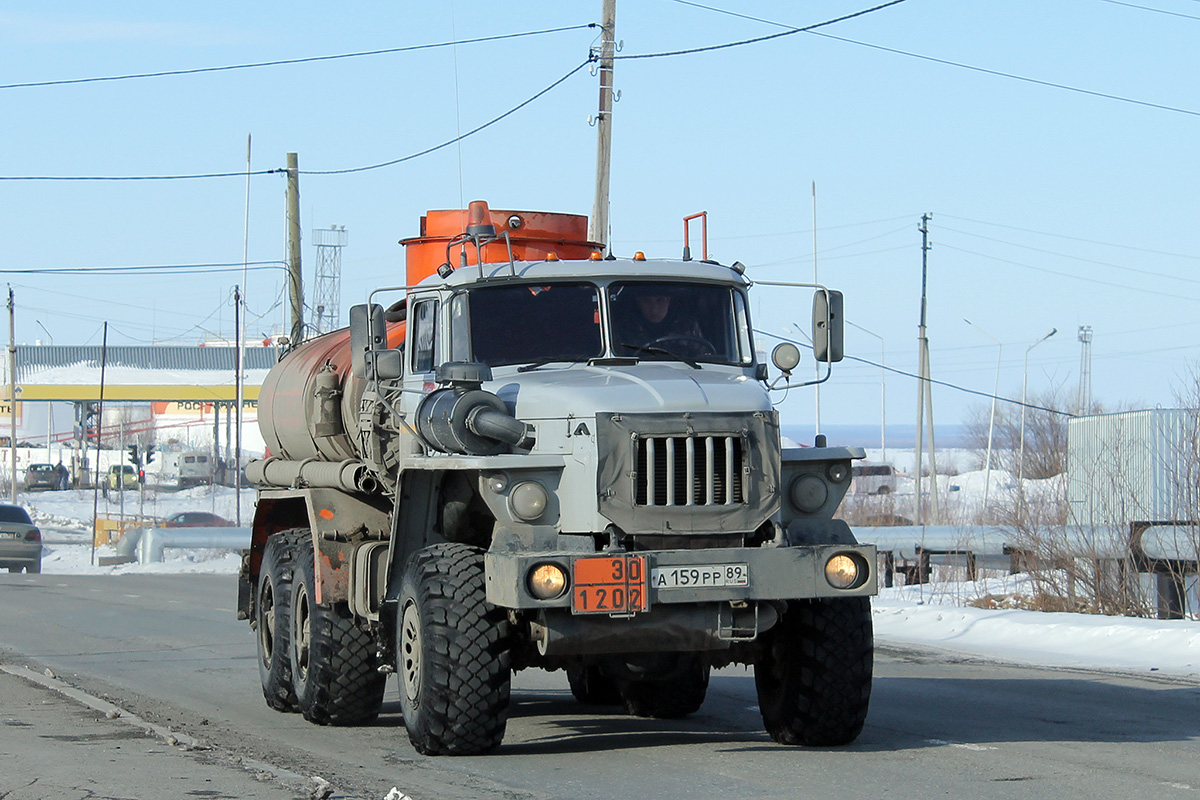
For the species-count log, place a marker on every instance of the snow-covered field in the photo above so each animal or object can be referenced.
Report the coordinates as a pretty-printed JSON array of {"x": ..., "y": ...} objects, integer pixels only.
[{"x": 936, "y": 615}]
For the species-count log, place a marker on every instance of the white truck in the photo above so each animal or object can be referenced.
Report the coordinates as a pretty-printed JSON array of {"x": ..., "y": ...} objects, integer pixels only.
[{"x": 525, "y": 461}]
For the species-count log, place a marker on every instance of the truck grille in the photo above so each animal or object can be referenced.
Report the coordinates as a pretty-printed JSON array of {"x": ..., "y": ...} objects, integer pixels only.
[{"x": 689, "y": 471}]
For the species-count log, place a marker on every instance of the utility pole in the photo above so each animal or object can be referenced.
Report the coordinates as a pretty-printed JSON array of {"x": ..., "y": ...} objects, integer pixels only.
[
  {"x": 924, "y": 395},
  {"x": 12, "y": 392},
  {"x": 598, "y": 229},
  {"x": 295, "y": 284},
  {"x": 240, "y": 383}
]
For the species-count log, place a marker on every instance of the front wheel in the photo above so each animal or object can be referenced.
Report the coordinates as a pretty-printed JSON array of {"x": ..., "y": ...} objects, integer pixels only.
[
  {"x": 452, "y": 653},
  {"x": 814, "y": 672},
  {"x": 335, "y": 665}
]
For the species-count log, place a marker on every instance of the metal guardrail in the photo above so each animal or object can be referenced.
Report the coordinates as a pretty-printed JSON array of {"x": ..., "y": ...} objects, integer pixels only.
[{"x": 1170, "y": 551}]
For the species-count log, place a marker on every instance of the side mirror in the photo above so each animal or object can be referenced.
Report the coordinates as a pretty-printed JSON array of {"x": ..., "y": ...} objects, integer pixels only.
[
  {"x": 367, "y": 334},
  {"x": 386, "y": 365},
  {"x": 827, "y": 326}
]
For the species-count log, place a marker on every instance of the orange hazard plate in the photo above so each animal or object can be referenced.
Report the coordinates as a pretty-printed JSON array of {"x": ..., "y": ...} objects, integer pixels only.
[{"x": 609, "y": 585}]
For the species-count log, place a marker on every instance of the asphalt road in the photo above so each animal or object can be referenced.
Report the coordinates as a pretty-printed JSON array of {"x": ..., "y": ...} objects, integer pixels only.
[{"x": 168, "y": 649}]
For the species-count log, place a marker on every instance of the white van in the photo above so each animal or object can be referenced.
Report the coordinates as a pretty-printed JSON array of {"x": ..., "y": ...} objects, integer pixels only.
[{"x": 873, "y": 479}]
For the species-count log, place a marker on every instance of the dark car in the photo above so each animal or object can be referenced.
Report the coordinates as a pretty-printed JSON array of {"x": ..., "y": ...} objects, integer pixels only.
[
  {"x": 196, "y": 519},
  {"x": 42, "y": 476},
  {"x": 20, "y": 540}
]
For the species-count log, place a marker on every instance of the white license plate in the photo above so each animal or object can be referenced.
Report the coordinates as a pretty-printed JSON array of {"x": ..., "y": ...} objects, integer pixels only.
[
  {"x": 707, "y": 576},
  {"x": 9, "y": 535}
]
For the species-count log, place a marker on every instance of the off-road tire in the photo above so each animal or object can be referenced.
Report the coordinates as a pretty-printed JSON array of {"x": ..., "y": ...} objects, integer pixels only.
[
  {"x": 669, "y": 698},
  {"x": 814, "y": 672},
  {"x": 452, "y": 653},
  {"x": 592, "y": 687},
  {"x": 335, "y": 664},
  {"x": 273, "y": 620}
]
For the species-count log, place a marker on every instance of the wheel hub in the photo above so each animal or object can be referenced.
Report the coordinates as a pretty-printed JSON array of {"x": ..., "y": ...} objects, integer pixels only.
[
  {"x": 410, "y": 652},
  {"x": 300, "y": 632},
  {"x": 266, "y": 621}
]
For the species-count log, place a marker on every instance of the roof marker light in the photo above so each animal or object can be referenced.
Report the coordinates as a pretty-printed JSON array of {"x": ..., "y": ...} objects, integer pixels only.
[{"x": 639, "y": 256}]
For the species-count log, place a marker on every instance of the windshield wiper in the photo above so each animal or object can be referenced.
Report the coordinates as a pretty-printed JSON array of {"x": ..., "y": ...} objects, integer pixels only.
[
  {"x": 661, "y": 351},
  {"x": 541, "y": 362}
]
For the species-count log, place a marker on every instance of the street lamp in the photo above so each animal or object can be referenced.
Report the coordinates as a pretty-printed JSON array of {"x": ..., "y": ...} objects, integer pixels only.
[
  {"x": 1024, "y": 386},
  {"x": 987, "y": 473},
  {"x": 882, "y": 388}
]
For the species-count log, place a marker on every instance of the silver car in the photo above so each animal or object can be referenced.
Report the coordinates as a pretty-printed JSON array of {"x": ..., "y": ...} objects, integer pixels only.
[{"x": 20, "y": 540}]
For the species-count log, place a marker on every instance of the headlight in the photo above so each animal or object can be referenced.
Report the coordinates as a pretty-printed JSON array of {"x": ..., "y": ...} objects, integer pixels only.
[
  {"x": 844, "y": 572},
  {"x": 547, "y": 581},
  {"x": 528, "y": 500}
]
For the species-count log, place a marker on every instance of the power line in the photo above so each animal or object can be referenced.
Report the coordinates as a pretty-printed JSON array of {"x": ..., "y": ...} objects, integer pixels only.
[
  {"x": 1074, "y": 238},
  {"x": 148, "y": 269},
  {"x": 281, "y": 62},
  {"x": 963, "y": 389},
  {"x": 281, "y": 170},
  {"x": 757, "y": 39},
  {"x": 1073, "y": 258},
  {"x": 456, "y": 139},
  {"x": 810, "y": 29},
  {"x": 1148, "y": 8},
  {"x": 1012, "y": 76},
  {"x": 1174, "y": 295}
]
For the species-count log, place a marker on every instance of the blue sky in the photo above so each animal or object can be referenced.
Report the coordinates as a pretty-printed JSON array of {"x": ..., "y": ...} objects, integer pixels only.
[{"x": 1051, "y": 208}]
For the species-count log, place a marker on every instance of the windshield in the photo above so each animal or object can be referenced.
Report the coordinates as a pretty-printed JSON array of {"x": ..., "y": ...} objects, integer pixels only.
[
  {"x": 680, "y": 320},
  {"x": 526, "y": 324}
]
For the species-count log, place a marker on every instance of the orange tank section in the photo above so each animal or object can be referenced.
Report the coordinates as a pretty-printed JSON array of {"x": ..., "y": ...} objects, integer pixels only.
[{"x": 534, "y": 236}]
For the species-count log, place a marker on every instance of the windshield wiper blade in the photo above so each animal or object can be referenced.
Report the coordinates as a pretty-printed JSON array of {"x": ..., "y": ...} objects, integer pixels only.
[
  {"x": 662, "y": 351},
  {"x": 541, "y": 362}
]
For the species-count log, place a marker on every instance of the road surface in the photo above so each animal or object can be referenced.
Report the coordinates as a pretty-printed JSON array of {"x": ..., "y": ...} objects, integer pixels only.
[{"x": 168, "y": 649}]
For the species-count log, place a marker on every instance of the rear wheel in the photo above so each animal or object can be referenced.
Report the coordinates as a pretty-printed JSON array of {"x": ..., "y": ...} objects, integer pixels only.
[
  {"x": 814, "y": 672},
  {"x": 335, "y": 665},
  {"x": 452, "y": 653},
  {"x": 668, "y": 698},
  {"x": 592, "y": 687},
  {"x": 273, "y": 620}
]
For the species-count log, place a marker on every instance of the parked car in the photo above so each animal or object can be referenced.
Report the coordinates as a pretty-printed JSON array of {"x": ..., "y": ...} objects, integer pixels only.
[
  {"x": 20, "y": 540},
  {"x": 42, "y": 476},
  {"x": 119, "y": 478},
  {"x": 195, "y": 519}
]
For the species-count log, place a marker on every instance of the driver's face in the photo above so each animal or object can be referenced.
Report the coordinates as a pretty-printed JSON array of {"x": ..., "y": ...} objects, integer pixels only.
[{"x": 654, "y": 308}]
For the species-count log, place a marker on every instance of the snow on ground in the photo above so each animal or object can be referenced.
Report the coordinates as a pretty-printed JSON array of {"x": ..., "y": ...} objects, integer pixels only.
[
  {"x": 935, "y": 615},
  {"x": 938, "y": 615}
]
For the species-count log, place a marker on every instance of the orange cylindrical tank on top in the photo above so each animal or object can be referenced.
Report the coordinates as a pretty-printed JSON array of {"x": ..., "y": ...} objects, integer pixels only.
[{"x": 534, "y": 235}]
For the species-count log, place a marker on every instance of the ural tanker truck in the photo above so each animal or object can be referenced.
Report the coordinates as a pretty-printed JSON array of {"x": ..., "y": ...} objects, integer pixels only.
[{"x": 535, "y": 456}]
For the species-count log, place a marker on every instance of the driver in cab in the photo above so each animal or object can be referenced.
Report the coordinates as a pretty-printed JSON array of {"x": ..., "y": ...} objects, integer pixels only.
[{"x": 656, "y": 322}]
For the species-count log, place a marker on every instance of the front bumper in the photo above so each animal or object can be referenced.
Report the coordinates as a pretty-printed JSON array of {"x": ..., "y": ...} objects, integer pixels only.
[{"x": 774, "y": 573}]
